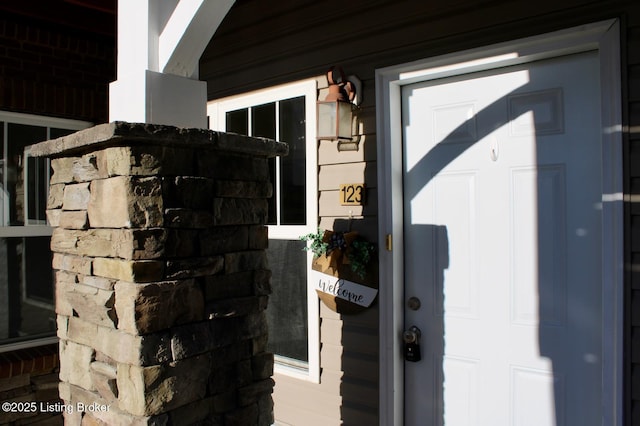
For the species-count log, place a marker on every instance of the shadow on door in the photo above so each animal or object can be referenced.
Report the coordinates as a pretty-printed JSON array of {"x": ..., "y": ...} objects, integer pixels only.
[
  {"x": 429, "y": 264},
  {"x": 532, "y": 254}
]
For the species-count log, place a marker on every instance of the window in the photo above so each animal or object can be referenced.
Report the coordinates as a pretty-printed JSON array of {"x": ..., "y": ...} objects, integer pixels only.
[
  {"x": 27, "y": 315},
  {"x": 287, "y": 114}
]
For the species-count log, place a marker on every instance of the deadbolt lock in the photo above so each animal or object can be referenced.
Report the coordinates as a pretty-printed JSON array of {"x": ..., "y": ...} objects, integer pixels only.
[{"x": 411, "y": 339}]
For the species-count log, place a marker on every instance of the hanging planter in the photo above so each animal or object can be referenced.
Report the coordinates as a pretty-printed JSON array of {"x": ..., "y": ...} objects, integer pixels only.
[{"x": 344, "y": 270}]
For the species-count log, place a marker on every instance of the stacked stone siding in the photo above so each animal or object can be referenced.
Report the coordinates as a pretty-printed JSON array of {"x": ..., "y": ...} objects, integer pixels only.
[{"x": 161, "y": 274}]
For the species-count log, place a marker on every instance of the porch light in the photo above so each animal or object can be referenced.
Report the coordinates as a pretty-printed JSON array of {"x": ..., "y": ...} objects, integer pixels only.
[
  {"x": 336, "y": 112},
  {"x": 334, "y": 120}
]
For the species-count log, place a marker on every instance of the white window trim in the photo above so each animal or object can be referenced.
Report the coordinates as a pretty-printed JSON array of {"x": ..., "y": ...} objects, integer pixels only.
[
  {"x": 10, "y": 347},
  {"x": 38, "y": 229},
  {"x": 216, "y": 111},
  {"x": 44, "y": 121},
  {"x": 25, "y": 179},
  {"x": 603, "y": 37}
]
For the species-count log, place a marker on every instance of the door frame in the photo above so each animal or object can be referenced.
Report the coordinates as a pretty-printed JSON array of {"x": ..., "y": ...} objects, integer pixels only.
[{"x": 603, "y": 37}]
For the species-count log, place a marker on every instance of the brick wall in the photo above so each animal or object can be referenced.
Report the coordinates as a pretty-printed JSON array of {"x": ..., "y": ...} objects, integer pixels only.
[
  {"x": 54, "y": 70},
  {"x": 29, "y": 376}
]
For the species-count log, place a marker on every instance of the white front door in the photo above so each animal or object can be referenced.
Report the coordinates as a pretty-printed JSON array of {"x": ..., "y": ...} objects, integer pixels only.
[{"x": 502, "y": 230}]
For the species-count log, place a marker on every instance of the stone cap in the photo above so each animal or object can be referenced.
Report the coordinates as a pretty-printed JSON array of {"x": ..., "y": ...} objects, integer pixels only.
[{"x": 120, "y": 133}]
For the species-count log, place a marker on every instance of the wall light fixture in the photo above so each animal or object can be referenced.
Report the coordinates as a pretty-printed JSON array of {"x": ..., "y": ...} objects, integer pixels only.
[{"x": 337, "y": 112}]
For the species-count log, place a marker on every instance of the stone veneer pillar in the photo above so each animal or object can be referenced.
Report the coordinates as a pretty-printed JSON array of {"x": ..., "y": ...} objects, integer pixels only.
[{"x": 161, "y": 274}]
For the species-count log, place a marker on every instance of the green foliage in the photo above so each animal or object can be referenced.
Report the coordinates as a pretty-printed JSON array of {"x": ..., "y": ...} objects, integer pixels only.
[
  {"x": 360, "y": 254},
  {"x": 316, "y": 245}
]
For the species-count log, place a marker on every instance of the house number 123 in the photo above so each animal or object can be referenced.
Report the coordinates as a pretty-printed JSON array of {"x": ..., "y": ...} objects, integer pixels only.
[{"x": 352, "y": 194}]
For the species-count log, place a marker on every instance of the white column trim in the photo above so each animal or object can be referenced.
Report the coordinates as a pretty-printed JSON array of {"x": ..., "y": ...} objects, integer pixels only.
[
  {"x": 181, "y": 42},
  {"x": 159, "y": 48}
]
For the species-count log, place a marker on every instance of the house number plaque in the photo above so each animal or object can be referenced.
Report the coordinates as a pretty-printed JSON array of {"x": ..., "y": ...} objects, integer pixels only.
[{"x": 352, "y": 194}]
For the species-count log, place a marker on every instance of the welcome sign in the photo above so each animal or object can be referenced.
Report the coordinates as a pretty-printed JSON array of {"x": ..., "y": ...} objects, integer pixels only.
[{"x": 343, "y": 289}]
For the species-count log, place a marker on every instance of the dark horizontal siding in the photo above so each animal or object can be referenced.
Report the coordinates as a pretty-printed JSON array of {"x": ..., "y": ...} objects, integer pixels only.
[{"x": 261, "y": 44}]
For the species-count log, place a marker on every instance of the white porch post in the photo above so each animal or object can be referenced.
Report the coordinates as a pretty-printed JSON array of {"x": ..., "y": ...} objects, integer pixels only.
[{"x": 159, "y": 46}]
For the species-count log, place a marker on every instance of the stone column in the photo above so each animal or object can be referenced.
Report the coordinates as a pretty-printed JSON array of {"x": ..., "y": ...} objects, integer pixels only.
[{"x": 161, "y": 275}]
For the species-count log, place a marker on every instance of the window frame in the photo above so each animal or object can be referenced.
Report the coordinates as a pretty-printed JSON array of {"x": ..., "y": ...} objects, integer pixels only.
[
  {"x": 6, "y": 117},
  {"x": 216, "y": 111},
  {"x": 38, "y": 228}
]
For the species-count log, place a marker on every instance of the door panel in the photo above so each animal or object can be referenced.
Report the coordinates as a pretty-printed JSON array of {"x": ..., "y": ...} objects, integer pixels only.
[{"x": 502, "y": 216}]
